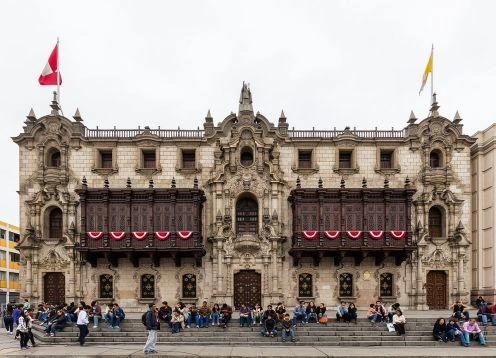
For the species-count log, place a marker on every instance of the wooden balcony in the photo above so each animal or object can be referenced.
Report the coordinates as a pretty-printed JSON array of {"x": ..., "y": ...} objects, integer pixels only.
[
  {"x": 364, "y": 211},
  {"x": 112, "y": 221}
]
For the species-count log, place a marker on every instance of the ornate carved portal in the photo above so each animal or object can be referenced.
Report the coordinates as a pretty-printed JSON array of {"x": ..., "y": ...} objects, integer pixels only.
[
  {"x": 54, "y": 288},
  {"x": 247, "y": 288}
]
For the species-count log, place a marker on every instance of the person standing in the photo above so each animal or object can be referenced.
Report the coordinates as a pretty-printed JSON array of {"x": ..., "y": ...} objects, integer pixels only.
[
  {"x": 152, "y": 323},
  {"x": 8, "y": 319},
  {"x": 82, "y": 323},
  {"x": 22, "y": 328},
  {"x": 29, "y": 324}
]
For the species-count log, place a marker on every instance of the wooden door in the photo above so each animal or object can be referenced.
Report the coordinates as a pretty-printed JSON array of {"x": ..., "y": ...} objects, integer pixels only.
[
  {"x": 436, "y": 287},
  {"x": 54, "y": 288},
  {"x": 247, "y": 288}
]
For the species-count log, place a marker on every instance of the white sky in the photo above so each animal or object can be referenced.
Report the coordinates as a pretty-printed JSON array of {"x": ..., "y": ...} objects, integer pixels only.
[{"x": 326, "y": 63}]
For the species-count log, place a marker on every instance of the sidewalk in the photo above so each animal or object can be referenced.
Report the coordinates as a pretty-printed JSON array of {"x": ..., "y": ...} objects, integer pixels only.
[{"x": 10, "y": 348}]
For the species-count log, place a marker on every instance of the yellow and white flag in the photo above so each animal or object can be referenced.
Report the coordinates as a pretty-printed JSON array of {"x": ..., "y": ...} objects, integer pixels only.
[{"x": 428, "y": 69}]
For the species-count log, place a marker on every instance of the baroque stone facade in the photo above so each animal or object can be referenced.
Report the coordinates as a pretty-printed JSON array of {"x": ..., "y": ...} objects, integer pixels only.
[{"x": 248, "y": 168}]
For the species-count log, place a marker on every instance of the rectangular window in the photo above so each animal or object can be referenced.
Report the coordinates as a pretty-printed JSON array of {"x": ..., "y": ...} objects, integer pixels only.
[
  {"x": 14, "y": 276},
  {"x": 15, "y": 257},
  {"x": 188, "y": 158},
  {"x": 105, "y": 158},
  {"x": 304, "y": 159},
  {"x": 11, "y": 236},
  {"x": 345, "y": 159},
  {"x": 3, "y": 233},
  {"x": 149, "y": 160},
  {"x": 386, "y": 159}
]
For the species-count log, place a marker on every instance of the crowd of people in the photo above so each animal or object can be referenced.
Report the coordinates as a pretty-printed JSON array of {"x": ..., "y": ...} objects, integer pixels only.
[{"x": 271, "y": 320}]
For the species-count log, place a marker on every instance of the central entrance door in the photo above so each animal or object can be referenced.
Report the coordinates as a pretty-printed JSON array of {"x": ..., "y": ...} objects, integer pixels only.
[
  {"x": 436, "y": 290},
  {"x": 54, "y": 288},
  {"x": 247, "y": 288}
]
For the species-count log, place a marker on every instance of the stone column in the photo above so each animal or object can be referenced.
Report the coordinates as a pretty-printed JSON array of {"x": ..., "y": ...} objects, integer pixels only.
[
  {"x": 420, "y": 285},
  {"x": 265, "y": 261},
  {"x": 461, "y": 256},
  {"x": 29, "y": 278},
  {"x": 219, "y": 267},
  {"x": 274, "y": 267},
  {"x": 228, "y": 274}
]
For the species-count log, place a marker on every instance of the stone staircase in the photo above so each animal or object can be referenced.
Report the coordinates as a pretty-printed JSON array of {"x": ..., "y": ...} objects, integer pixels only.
[{"x": 419, "y": 334}]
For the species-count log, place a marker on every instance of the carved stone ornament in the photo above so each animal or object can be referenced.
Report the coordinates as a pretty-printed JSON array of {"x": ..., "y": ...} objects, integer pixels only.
[
  {"x": 55, "y": 258},
  {"x": 437, "y": 258}
]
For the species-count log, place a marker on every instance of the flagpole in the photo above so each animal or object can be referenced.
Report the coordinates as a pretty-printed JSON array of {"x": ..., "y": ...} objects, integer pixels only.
[
  {"x": 58, "y": 71},
  {"x": 432, "y": 74}
]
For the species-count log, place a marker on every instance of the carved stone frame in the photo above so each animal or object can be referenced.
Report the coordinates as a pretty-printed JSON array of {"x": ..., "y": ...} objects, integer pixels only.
[
  {"x": 179, "y": 279},
  {"x": 355, "y": 290},
  {"x": 143, "y": 270},
  {"x": 315, "y": 282}
]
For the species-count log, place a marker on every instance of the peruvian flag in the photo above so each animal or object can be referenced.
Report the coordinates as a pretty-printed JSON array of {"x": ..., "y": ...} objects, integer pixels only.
[
  {"x": 117, "y": 235},
  {"x": 398, "y": 234},
  {"x": 49, "y": 74},
  {"x": 162, "y": 235},
  {"x": 139, "y": 235},
  {"x": 185, "y": 235},
  {"x": 354, "y": 234},
  {"x": 376, "y": 235},
  {"x": 310, "y": 235},
  {"x": 94, "y": 235},
  {"x": 332, "y": 234}
]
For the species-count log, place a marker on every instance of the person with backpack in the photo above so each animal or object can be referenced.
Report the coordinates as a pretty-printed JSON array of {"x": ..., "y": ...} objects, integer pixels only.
[{"x": 152, "y": 323}]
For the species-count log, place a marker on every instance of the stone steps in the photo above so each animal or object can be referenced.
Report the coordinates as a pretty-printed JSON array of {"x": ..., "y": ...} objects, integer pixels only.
[{"x": 419, "y": 333}]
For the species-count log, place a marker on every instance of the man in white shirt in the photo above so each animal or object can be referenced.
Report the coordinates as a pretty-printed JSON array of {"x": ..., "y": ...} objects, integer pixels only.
[{"x": 82, "y": 322}]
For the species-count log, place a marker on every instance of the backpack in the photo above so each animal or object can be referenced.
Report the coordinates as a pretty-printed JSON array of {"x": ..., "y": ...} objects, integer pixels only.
[{"x": 143, "y": 318}]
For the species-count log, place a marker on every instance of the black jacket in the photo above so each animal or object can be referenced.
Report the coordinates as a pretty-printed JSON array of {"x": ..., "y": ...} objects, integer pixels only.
[{"x": 152, "y": 322}]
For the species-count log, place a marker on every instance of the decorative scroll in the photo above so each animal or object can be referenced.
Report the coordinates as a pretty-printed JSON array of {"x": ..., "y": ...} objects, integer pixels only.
[
  {"x": 332, "y": 234},
  {"x": 140, "y": 235},
  {"x": 185, "y": 235},
  {"x": 376, "y": 235},
  {"x": 310, "y": 235},
  {"x": 354, "y": 234},
  {"x": 117, "y": 235},
  {"x": 94, "y": 235},
  {"x": 398, "y": 235},
  {"x": 162, "y": 235}
]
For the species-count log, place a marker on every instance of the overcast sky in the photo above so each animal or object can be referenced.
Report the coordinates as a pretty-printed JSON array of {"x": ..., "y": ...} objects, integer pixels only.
[{"x": 326, "y": 63}]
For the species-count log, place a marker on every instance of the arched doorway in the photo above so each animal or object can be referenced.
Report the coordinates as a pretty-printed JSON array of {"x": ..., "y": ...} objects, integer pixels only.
[
  {"x": 54, "y": 288},
  {"x": 247, "y": 288},
  {"x": 436, "y": 289}
]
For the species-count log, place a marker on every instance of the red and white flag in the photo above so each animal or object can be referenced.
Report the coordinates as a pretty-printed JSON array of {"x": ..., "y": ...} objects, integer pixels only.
[{"x": 49, "y": 74}]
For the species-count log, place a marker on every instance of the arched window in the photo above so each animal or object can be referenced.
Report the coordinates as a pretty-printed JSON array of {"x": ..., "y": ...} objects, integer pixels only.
[
  {"x": 246, "y": 216},
  {"x": 345, "y": 285},
  {"x": 435, "y": 222},
  {"x": 55, "y": 223},
  {"x": 246, "y": 156},
  {"x": 436, "y": 159},
  {"x": 305, "y": 285},
  {"x": 106, "y": 286},
  {"x": 386, "y": 284},
  {"x": 189, "y": 286},
  {"x": 54, "y": 158},
  {"x": 147, "y": 286}
]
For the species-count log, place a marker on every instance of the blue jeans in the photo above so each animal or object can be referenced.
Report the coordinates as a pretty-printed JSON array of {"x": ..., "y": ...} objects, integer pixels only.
[
  {"x": 112, "y": 319},
  {"x": 264, "y": 332},
  {"x": 191, "y": 318},
  {"x": 203, "y": 321},
  {"x": 245, "y": 320},
  {"x": 312, "y": 316},
  {"x": 483, "y": 318},
  {"x": 480, "y": 335},
  {"x": 452, "y": 336},
  {"x": 299, "y": 317},
  {"x": 285, "y": 334},
  {"x": 373, "y": 318},
  {"x": 176, "y": 327},
  {"x": 215, "y": 317}
]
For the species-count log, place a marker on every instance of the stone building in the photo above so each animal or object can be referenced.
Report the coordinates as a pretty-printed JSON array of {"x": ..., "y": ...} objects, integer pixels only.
[
  {"x": 245, "y": 210},
  {"x": 483, "y": 215}
]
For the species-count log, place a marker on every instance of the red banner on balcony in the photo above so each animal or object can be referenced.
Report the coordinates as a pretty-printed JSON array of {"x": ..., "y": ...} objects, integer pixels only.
[
  {"x": 185, "y": 235},
  {"x": 398, "y": 235},
  {"x": 376, "y": 235},
  {"x": 310, "y": 235},
  {"x": 117, "y": 235},
  {"x": 139, "y": 235},
  {"x": 94, "y": 235},
  {"x": 162, "y": 235},
  {"x": 354, "y": 234},
  {"x": 332, "y": 234}
]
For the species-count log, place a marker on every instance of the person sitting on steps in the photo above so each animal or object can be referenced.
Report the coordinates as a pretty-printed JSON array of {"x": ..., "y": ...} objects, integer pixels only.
[
  {"x": 269, "y": 329},
  {"x": 244, "y": 316},
  {"x": 399, "y": 322},
  {"x": 381, "y": 311},
  {"x": 311, "y": 312},
  {"x": 300, "y": 314},
  {"x": 453, "y": 330},
  {"x": 459, "y": 310},
  {"x": 372, "y": 314},
  {"x": 439, "y": 331},
  {"x": 177, "y": 321},
  {"x": 287, "y": 328},
  {"x": 472, "y": 331},
  {"x": 342, "y": 313}
]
